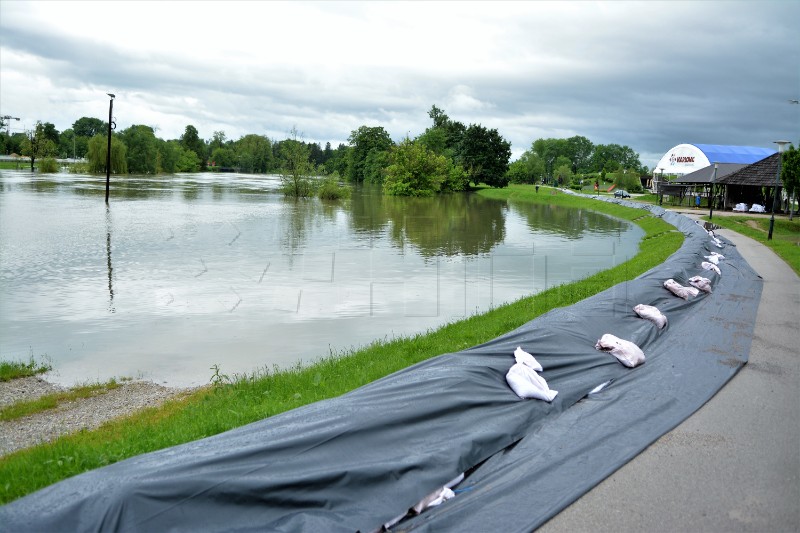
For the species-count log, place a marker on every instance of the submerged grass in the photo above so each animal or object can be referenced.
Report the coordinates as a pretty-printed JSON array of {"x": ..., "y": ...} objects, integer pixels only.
[
  {"x": 19, "y": 369},
  {"x": 248, "y": 398}
]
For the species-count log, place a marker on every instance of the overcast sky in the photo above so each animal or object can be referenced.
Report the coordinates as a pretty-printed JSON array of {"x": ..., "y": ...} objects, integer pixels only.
[{"x": 649, "y": 75}]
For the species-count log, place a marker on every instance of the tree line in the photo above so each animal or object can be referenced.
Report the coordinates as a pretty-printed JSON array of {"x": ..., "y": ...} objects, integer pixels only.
[{"x": 448, "y": 156}]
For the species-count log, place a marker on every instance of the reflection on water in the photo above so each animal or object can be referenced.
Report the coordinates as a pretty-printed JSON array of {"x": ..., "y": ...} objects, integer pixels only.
[
  {"x": 108, "y": 255},
  {"x": 182, "y": 272}
]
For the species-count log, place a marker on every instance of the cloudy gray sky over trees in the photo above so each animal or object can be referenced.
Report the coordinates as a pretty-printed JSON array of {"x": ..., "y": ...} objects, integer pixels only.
[{"x": 649, "y": 75}]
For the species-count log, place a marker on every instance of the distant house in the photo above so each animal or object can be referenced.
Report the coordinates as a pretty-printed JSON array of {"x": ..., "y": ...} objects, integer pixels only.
[{"x": 734, "y": 183}]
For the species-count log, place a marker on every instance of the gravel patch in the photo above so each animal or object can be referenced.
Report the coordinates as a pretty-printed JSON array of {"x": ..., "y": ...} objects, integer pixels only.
[
  {"x": 25, "y": 389},
  {"x": 87, "y": 413}
]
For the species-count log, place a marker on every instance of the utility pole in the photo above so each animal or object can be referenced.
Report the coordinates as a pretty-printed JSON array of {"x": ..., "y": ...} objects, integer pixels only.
[{"x": 108, "y": 153}]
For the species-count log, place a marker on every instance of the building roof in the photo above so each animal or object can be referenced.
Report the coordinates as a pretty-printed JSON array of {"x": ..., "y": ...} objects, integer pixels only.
[
  {"x": 734, "y": 154},
  {"x": 686, "y": 158},
  {"x": 762, "y": 173},
  {"x": 706, "y": 174}
]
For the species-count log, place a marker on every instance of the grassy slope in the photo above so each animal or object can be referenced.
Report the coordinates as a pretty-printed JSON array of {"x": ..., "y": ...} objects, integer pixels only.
[{"x": 250, "y": 398}]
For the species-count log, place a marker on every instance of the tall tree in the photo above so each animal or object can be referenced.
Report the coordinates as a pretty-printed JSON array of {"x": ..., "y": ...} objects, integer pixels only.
[
  {"x": 414, "y": 170},
  {"x": 297, "y": 170},
  {"x": 96, "y": 154},
  {"x": 580, "y": 152},
  {"x": 790, "y": 175},
  {"x": 484, "y": 154},
  {"x": 38, "y": 144},
  {"x": 89, "y": 127},
  {"x": 191, "y": 140},
  {"x": 362, "y": 141},
  {"x": 142, "y": 149},
  {"x": 255, "y": 154}
]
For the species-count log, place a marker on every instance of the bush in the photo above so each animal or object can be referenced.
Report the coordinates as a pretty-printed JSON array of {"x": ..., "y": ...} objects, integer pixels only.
[
  {"x": 48, "y": 165},
  {"x": 332, "y": 189}
]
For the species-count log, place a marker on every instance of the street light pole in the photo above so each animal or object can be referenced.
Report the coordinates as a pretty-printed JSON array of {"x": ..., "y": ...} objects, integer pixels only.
[
  {"x": 711, "y": 198},
  {"x": 108, "y": 152},
  {"x": 780, "y": 144}
]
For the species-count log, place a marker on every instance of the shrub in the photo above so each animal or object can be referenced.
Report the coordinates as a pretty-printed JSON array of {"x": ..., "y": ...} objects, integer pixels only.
[
  {"x": 332, "y": 189},
  {"x": 48, "y": 165}
]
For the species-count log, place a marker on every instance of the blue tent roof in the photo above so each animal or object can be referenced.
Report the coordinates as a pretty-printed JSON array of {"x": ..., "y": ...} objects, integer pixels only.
[{"x": 734, "y": 154}]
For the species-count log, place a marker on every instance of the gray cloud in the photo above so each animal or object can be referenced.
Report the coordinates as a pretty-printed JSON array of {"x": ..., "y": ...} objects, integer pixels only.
[{"x": 648, "y": 75}]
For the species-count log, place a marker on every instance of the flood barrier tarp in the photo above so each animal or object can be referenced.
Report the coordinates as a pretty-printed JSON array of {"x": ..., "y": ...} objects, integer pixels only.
[{"x": 355, "y": 462}]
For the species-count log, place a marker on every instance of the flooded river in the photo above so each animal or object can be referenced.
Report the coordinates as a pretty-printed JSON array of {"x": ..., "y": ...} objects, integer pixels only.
[{"x": 183, "y": 272}]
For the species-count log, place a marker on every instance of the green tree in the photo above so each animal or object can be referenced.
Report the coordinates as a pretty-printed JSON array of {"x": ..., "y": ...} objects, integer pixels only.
[
  {"x": 254, "y": 153},
  {"x": 190, "y": 140},
  {"x": 223, "y": 157},
  {"x": 297, "y": 171},
  {"x": 484, "y": 154},
  {"x": 89, "y": 127},
  {"x": 529, "y": 168},
  {"x": 97, "y": 149},
  {"x": 337, "y": 162},
  {"x": 580, "y": 153},
  {"x": 142, "y": 149},
  {"x": 415, "y": 171},
  {"x": 375, "y": 166},
  {"x": 790, "y": 175},
  {"x": 563, "y": 173},
  {"x": 611, "y": 157},
  {"x": 50, "y": 132},
  {"x": 363, "y": 141},
  {"x": 38, "y": 144}
]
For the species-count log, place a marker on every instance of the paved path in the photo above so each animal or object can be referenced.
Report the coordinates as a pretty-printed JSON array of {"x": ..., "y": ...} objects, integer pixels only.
[{"x": 735, "y": 464}]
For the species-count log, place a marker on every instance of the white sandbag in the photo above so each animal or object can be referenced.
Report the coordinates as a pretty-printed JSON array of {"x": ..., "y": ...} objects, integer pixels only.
[
  {"x": 710, "y": 266},
  {"x": 438, "y": 496},
  {"x": 679, "y": 290},
  {"x": 704, "y": 284},
  {"x": 717, "y": 255},
  {"x": 648, "y": 312},
  {"x": 527, "y": 359},
  {"x": 741, "y": 208},
  {"x": 526, "y": 383},
  {"x": 626, "y": 352},
  {"x": 756, "y": 208},
  {"x": 712, "y": 259},
  {"x": 433, "y": 499}
]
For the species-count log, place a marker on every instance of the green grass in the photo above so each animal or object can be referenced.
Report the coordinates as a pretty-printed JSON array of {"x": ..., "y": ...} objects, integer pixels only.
[
  {"x": 51, "y": 401},
  {"x": 19, "y": 369},
  {"x": 785, "y": 235},
  {"x": 253, "y": 397}
]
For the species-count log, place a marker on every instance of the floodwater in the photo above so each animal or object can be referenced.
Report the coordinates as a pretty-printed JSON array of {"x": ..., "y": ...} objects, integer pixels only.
[{"x": 183, "y": 272}]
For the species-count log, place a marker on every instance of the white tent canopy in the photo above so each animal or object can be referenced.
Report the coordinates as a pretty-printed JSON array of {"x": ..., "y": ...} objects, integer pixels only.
[{"x": 686, "y": 158}]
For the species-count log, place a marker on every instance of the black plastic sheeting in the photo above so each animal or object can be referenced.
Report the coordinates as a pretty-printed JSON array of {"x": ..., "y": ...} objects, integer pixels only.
[{"x": 355, "y": 462}]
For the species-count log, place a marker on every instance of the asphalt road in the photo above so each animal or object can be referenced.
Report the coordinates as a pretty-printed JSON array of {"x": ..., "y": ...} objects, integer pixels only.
[{"x": 735, "y": 464}]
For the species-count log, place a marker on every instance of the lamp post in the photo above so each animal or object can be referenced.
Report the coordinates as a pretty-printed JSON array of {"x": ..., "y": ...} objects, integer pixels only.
[
  {"x": 711, "y": 198},
  {"x": 108, "y": 153},
  {"x": 780, "y": 144},
  {"x": 660, "y": 186}
]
